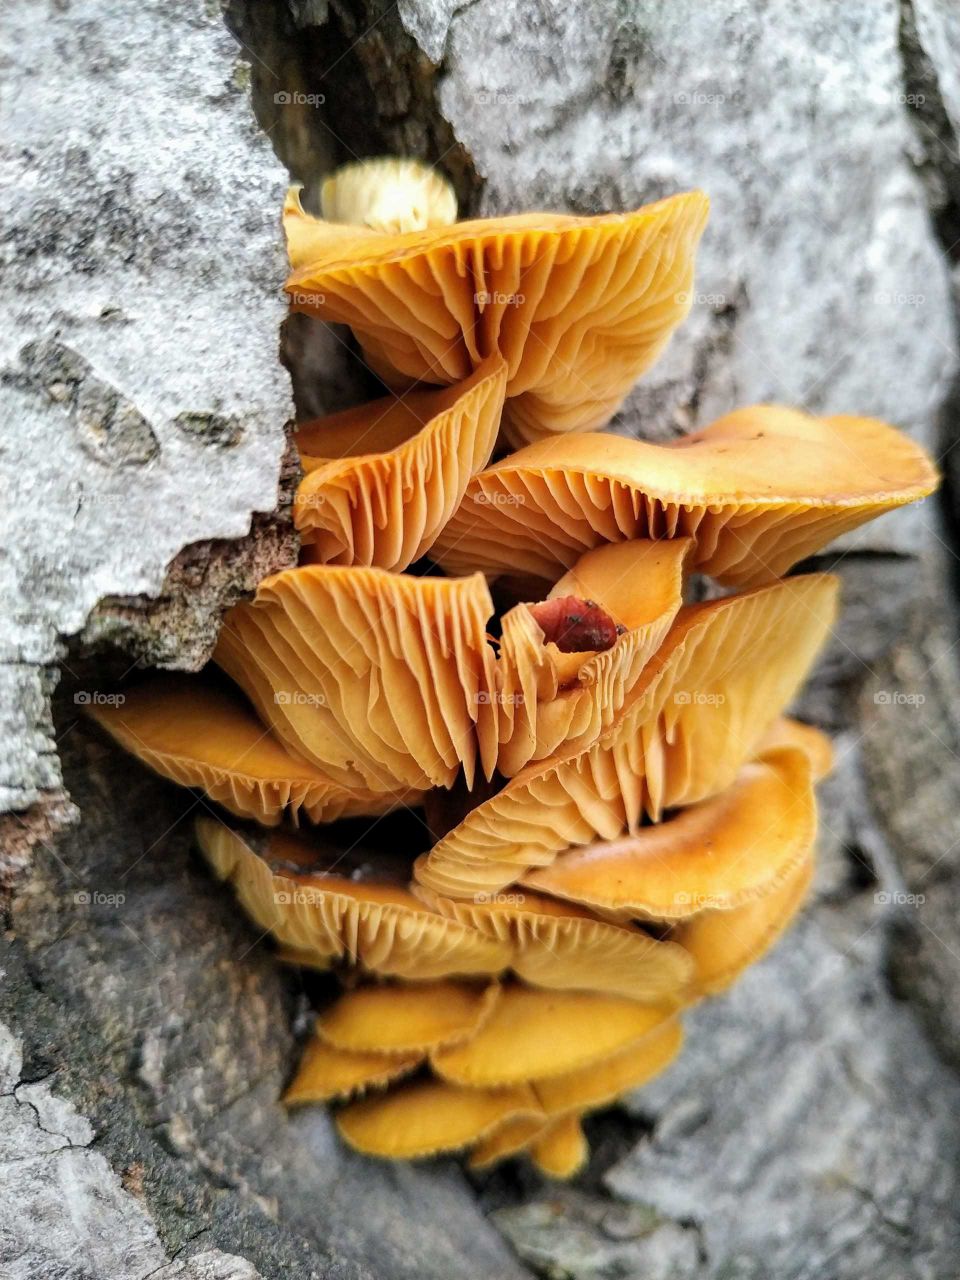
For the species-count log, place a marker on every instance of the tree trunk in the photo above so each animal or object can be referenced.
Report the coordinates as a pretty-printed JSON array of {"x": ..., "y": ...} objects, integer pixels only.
[{"x": 810, "y": 1128}]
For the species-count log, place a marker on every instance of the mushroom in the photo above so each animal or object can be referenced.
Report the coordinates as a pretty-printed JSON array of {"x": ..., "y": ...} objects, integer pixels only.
[
  {"x": 579, "y": 307},
  {"x": 382, "y": 480},
  {"x": 520, "y": 1082},
  {"x": 389, "y": 195},
  {"x": 626, "y": 819},
  {"x": 534, "y": 1035},
  {"x": 407, "y": 1018},
  {"x": 758, "y": 490},
  {"x": 561, "y": 1148},
  {"x": 381, "y": 680},
  {"x": 572, "y": 1094},
  {"x": 701, "y": 709},
  {"x": 199, "y": 735},
  {"x": 332, "y": 918},
  {"x": 564, "y": 946},
  {"x": 723, "y": 943},
  {"x": 548, "y": 699},
  {"x": 326, "y": 1074},
  {"x": 734, "y": 848},
  {"x": 427, "y": 1117}
]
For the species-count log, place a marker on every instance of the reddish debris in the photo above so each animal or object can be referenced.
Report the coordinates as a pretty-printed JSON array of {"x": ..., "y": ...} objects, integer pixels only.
[{"x": 575, "y": 625}]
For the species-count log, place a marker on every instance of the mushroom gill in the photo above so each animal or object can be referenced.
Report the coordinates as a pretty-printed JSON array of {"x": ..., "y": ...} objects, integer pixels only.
[
  {"x": 194, "y": 733},
  {"x": 579, "y": 307},
  {"x": 721, "y": 853},
  {"x": 616, "y": 816},
  {"x": 758, "y": 490},
  {"x": 382, "y": 680},
  {"x": 548, "y": 699},
  {"x": 704, "y": 704},
  {"x": 331, "y": 918},
  {"x": 382, "y": 480},
  {"x": 564, "y": 946}
]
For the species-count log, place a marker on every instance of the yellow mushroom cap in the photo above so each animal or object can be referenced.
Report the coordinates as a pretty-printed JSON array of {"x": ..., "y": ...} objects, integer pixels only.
[
  {"x": 429, "y": 1116},
  {"x": 532, "y": 1035},
  {"x": 813, "y": 742},
  {"x": 599, "y": 1084},
  {"x": 558, "y": 945},
  {"x": 735, "y": 847},
  {"x": 758, "y": 490},
  {"x": 390, "y": 195},
  {"x": 578, "y": 307},
  {"x": 382, "y": 480},
  {"x": 550, "y": 701},
  {"x": 584, "y": 1089},
  {"x": 702, "y": 708},
  {"x": 200, "y": 735},
  {"x": 724, "y": 943},
  {"x": 326, "y": 1073},
  {"x": 380, "y": 926},
  {"x": 382, "y": 680},
  {"x": 406, "y": 1018}
]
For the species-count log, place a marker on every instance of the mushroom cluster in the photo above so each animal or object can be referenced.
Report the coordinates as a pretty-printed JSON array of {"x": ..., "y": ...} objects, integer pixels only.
[{"x": 612, "y": 814}]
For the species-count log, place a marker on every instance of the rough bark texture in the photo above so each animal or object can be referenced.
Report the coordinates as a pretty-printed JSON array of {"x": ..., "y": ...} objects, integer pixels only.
[{"x": 810, "y": 1128}]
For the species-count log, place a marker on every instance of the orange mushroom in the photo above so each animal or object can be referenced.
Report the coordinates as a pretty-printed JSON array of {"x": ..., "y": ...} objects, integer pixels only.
[
  {"x": 427, "y": 1117},
  {"x": 199, "y": 735},
  {"x": 326, "y": 1074},
  {"x": 384, "y": 479},
  {"x": 626, "y": 820},
  {"x": 701, "y": 709},
  {"x": 519, "y": 1081},
  {"x": 548, "y": 699},
  {"x": 382, "y": 680},
  {"x": 374, "y": 923},
  {"x": 534, "y": 1035},
  {"x": 564, "y": 946},
  {"x": 733, "y": 848},
  {"x": 407, "y": 1018},
  {"x": 758, "y": 490},
  {"x": 578, "y": 307},
  {"x": 723, "y": 943}
]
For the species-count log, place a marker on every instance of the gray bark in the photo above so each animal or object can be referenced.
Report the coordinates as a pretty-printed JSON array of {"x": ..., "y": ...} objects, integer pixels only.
[{"x": 811, "y": 1127}]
